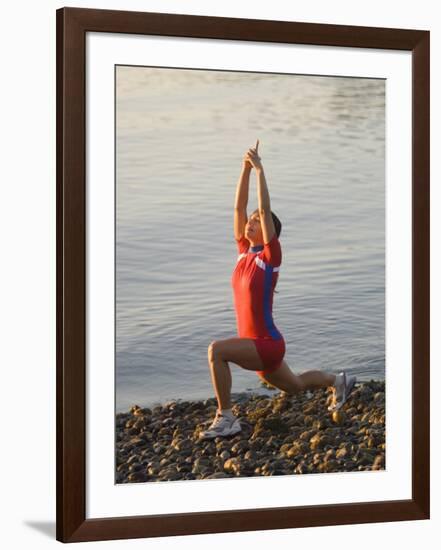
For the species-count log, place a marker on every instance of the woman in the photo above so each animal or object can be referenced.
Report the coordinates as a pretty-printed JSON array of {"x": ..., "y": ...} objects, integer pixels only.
[{"x": 260, "y": 346}]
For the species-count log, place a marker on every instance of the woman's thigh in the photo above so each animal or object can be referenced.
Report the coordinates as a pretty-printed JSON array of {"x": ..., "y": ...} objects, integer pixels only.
[{"x": 241, "y": 351}]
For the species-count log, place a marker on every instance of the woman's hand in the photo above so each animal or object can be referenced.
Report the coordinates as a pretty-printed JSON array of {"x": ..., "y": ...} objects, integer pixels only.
[
  {"x": 246, "y": 162},
  {"x": 252, "y": 157}
]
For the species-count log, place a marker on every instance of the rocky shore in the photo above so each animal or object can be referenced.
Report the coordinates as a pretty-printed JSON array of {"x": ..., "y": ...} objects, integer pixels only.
[{"x": 281, "y": 435}]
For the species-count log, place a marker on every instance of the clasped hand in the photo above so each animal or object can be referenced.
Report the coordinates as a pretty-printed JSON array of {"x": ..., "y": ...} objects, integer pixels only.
[{"x": 251, "y": 158}]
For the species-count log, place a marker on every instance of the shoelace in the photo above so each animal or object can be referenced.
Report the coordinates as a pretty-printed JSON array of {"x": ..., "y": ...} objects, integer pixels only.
[{"x": 217, "y": 420}]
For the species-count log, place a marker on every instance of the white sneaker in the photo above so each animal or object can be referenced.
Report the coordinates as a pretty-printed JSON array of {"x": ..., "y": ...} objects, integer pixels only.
[
  {"x": 221, "y": 426},
  {"x": 342, "y": 393}
]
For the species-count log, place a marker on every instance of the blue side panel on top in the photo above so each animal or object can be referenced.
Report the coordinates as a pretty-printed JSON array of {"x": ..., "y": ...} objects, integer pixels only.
[{"x": 266, "y": 304}]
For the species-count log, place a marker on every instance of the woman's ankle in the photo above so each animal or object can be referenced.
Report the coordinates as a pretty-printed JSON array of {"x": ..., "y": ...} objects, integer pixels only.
[{"x": 226, "y": 412}]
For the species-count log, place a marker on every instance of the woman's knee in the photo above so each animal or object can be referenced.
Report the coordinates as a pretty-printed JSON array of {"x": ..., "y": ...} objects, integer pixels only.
[
  {"x": 297, "y": 384},
  {"x": 213, "y": 350}
]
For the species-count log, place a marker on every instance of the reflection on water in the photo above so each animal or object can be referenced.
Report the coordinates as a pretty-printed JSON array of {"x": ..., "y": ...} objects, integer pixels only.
[{"x": 181, "y": 135}]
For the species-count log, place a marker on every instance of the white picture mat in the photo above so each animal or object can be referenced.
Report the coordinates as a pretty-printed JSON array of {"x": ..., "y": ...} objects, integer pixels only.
[{"x": 103, "y": 497}]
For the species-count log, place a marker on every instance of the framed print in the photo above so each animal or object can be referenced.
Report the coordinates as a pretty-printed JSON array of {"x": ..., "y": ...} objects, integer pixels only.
[{"x": 242, "y": 274}]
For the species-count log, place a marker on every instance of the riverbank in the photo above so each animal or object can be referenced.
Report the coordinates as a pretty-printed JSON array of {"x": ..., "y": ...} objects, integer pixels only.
[{"x": 281, "y": 435}]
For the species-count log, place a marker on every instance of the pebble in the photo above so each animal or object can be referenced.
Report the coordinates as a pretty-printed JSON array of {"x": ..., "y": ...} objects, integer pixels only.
[
  {"x": 318, "y": 441},
  {"x": 281, "y": 435},
  {"x": 338, "y": 417}
]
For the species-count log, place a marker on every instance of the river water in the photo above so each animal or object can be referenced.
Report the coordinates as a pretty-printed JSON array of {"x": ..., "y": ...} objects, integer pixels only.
[{"x": 180, "y": 138}]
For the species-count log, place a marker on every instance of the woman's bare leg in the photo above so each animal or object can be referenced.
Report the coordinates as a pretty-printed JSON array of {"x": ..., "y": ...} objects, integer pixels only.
[
  {"x": 221, "y": 379},
  {"x": 242, "y": 352},
  {"x": 284, "y": 379}
]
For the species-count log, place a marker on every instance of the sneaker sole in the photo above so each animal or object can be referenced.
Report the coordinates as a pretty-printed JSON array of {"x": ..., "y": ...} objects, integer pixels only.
[{"x": 235, "y": 428}]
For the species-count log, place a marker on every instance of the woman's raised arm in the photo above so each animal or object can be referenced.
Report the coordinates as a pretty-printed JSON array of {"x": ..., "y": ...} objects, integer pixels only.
[
  {"x": 240, "y": 205},
  {"x": 263, "y": 197}
]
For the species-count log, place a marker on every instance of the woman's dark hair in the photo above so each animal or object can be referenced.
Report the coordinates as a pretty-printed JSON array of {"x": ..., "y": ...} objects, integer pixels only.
[
  {"x": 278, "y": 228},
  {"x": 277, "y": 224}
]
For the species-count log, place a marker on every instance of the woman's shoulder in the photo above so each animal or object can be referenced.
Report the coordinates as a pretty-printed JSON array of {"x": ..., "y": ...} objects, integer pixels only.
[
  {"x": 272, "y": 251},
  {"x": 242, "y": 244}
]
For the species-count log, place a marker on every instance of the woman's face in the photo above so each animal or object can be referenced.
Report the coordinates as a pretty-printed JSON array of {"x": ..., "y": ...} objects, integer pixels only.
[{"x": 253, "y": 229}]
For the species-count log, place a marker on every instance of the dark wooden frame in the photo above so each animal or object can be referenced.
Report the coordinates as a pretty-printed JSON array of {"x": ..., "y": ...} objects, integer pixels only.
[{"x": 72, "y": 25}]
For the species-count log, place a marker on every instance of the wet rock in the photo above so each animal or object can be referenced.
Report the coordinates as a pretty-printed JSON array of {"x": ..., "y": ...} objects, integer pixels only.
[
  {"x": 250, "y": 455},
  {"x": 200, "y": 465},
  {"x": 299, "y": 448},
  {"x": 329, "y": 455},
  {"x": 170, "y": 474},
  {"x": 225, "y": 455},
  {"x": 379, "y": 398},
  {"x": 320, "y": 424},
  {"x": 136, "y": 467},
  {"x": 285, "y": 448},
  {"x": 232, "y": 465},
  {"x": 338, "y": 417},
  {"x": 135, "y": 442},
  {"x": 240, "y": 447},
  {"x": 319, "y": 441},
  {"x": 379, "y": 463},
  {"x": 309, "y": 420},
  {"x": 281, "y": 405},
  {"x": 342, "y": 453},
  {"x": 301, "y": 468},
  {"x": 137, "y": 477},
  {"x": 307, "y": 435},
  {"x": 274, "y": 425}
]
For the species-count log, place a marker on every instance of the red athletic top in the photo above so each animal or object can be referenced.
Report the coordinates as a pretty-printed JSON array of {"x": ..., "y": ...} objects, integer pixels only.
[{"x": 254, "y": 279}]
